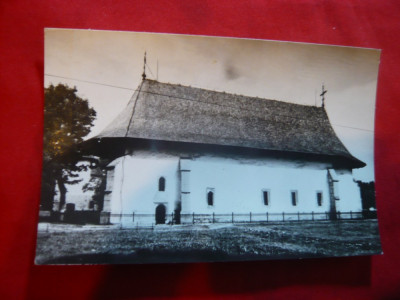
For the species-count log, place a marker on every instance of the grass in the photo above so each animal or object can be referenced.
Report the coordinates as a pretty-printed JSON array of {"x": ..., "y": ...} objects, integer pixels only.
[{"x": 87, "y": 245}]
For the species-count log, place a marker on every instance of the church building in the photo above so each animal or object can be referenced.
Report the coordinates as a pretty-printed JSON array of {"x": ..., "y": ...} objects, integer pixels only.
[{"x": 175, "y": 151}]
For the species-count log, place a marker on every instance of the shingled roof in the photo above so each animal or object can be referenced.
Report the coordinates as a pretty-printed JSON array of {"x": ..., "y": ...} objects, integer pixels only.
[{"x": 170, "y": 112}]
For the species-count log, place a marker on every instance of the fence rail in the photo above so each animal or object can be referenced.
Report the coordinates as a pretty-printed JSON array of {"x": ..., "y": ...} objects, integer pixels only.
[
  {"x": 149, "y": 220},
  {"x": 235, "y": 218}
]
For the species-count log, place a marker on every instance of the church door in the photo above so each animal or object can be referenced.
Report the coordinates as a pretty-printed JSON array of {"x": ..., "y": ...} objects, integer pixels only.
[{"x": 160, "y": 214}]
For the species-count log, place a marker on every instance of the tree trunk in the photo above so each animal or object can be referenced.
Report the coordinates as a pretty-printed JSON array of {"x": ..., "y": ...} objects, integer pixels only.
[
  {"x": 63, "y": 192},
  {"x": 47, "y": 192}
]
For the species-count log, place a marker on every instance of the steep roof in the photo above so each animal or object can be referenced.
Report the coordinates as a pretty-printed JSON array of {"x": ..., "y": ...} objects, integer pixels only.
[{"x": 170, "y": 112}]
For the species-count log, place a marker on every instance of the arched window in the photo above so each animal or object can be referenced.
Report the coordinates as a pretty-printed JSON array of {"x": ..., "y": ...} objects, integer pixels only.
[
  {"x": 161, "y": 184},
  {"x": 210, "y": 198},
  {"x": 266, "y": 197},
  {"x": 294, "y": 198}
]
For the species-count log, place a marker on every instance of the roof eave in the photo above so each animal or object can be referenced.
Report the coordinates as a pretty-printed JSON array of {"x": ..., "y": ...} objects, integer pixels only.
[{"x": 116, "y": 146}]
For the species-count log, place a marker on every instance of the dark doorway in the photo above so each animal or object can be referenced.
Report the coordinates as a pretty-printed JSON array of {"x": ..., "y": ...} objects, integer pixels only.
[{"x": 160, "y": 214}]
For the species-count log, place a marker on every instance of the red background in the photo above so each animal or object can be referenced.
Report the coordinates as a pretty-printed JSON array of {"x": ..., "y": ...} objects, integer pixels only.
[{"x": 374, "y": 24}]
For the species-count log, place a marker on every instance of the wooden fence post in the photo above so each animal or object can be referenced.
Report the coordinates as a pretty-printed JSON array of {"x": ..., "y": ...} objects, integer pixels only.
[
  {"x": 213, "y": 219},
  {"x": 193, "y": 218},
  {"x": 232, "y": 217},
  {"x": 298, "y": 216},
  {"x": 312, "y": 215},
  {"x": 267, "y": 217},
  {"x": 133, "y": 217},
  {"x": 339, "y": 215},
  {"x": 351, "y": 215},
  {"x": 283, "y": 216},
  {"x": 250, "y": 217}
]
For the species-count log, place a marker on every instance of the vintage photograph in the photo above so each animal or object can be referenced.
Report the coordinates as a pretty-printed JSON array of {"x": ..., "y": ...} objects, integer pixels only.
[{"x": 163, "y": 148}]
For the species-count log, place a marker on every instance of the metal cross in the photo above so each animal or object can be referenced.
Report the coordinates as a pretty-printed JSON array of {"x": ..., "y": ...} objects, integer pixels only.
[
  {"x": 323, "y": 95},
  {"x": 144, "y": 67}
]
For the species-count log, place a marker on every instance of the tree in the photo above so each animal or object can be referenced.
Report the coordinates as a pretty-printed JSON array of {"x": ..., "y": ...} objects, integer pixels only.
[
  {"x": 367, "y": 190},
  {"x": 67, "y": 120},
  {"x": 97, "y": 184}
]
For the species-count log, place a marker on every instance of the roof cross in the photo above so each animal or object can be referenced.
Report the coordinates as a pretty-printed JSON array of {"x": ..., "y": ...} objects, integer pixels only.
[{"x": 323, "y": 95}]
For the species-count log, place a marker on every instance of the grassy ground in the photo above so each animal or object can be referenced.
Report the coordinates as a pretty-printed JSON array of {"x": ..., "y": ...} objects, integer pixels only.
[{"x": 60, "y": 244}]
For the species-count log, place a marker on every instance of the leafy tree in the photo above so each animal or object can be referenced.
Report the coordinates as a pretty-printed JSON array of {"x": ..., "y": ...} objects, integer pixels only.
[
  {"x": 97, "y": 184},
  {"x": 67, "y": 120},
  {"x": 367, "y": 190}
]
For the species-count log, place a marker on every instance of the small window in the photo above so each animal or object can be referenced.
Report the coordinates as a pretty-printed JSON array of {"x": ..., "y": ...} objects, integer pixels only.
[
  {"x": 266, "y": 197},
  {"x": 161, "y": 184},
  {"x": 210, "y": 197},
  {"x": 294, "y": 197},
  {"x": 319, "y": 198}
]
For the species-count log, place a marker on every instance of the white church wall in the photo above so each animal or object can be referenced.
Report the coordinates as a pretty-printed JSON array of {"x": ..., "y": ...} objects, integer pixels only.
[
  {"x": 139, "y": 176},
  {"x": 238, "y": 186}
]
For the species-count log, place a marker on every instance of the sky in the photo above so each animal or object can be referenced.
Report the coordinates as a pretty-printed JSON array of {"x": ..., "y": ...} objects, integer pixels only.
[{"x": 106, "y": 68}]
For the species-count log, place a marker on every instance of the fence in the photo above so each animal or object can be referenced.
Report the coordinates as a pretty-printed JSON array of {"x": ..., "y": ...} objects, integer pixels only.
[
  {"x": 145, "y": 220},
  {"x": 136, "y": 219}
]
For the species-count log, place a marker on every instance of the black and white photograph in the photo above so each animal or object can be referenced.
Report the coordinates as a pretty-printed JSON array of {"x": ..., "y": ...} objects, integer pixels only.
[{"x": 163, "y": 148}]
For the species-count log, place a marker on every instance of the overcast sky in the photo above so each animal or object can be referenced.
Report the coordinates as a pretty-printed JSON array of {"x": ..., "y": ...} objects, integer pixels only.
[{"x": 292, "y": 72}]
